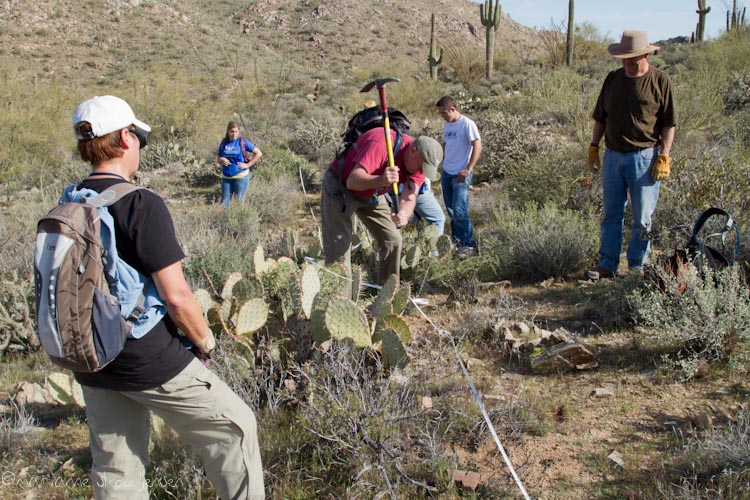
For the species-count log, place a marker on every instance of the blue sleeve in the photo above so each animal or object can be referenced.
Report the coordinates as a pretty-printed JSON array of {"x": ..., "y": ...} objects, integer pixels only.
[
  {"x": 221, "y": 148},
  {"x": 249, "y": 145}
]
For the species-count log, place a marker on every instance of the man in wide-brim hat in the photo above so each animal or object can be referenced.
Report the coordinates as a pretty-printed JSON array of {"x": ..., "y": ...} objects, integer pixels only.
[{"x": 635, "y": 113}]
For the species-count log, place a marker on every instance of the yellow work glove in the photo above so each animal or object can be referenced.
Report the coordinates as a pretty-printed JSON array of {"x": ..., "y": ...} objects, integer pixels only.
[
  {"x": 661, "y": 168},
  {"x": 593, "y": 158}
]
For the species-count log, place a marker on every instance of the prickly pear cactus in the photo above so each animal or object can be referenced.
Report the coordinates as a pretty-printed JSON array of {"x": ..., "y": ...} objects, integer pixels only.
[
  {"x": 204, "y": 299},
  {"x": 227, "y": 290},
  {"x": 396, "y": 324},
  {"x": 344, "y": 319},
  {"x": 411, "y": 257},
  {"x": 310, "y": 284},
  {"x": 252, "y": 316},
  {"x": 259, "y": 261},
  {"x": 358, "y": 277},
  {"x": 391, "y": 348},
  {"x": 214, "y": 318},
  {"x": 400, "y": 299},
  {"x": 382, "y": 305},
  {"x": 318, "y": 326},
  {"x": 289, "y": 243},
  {"x": 276, "y": 278},
  {"x": 249, "y": 287},
  {"x": 429, "y": 234},
  {"x": 291, "y": 298},
  {"x": 443, "y": 245}
]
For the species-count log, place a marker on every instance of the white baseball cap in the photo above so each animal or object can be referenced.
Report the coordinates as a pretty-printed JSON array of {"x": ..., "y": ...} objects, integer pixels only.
[{"x": 106, "y": 114}]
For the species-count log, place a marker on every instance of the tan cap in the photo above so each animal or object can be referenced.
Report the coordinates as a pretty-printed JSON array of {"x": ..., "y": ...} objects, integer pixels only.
[{"x": 432, "y": 152}]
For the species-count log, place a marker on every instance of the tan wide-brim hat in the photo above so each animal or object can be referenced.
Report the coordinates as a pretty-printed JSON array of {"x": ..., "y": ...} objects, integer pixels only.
[{"x": 633, "y": 43}]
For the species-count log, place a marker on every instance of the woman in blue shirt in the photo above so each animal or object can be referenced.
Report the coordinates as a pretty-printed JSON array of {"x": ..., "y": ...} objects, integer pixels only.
[{"x": 237, "y": 155}]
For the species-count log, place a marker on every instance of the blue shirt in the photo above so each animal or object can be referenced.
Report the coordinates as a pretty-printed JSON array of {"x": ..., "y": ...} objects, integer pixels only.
[{"x": 232, "y": 151}]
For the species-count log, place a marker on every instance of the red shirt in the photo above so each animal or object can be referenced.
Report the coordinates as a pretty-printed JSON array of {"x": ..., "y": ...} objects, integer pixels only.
[{"x": 370, "y": 153}]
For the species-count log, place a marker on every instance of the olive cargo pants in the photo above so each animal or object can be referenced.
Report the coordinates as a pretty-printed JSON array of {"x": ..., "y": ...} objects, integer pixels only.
[
  {"x": 338, "y": 206},
  {"x": 200, "y": 408}
]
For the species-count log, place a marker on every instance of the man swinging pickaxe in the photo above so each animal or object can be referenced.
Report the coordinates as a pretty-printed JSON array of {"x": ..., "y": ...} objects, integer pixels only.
[{"x": 380, "y": 83}]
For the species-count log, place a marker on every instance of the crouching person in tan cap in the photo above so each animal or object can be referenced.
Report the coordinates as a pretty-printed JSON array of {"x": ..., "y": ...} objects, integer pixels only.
[
  {"x": 155, "y": 372},
  {"x": 636, "y": 115},
  {"x": 356, "y": 184}
]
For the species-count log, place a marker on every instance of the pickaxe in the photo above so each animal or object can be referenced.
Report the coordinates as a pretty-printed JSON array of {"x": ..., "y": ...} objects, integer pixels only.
[{"x": 380, "y": 83}]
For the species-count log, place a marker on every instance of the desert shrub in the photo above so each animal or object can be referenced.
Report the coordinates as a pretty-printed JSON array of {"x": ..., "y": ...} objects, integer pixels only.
[
  {"x": 506, "y": 140},
  {"x": 218, "y": 241},
  {"x": 352, "y": 430},
  {"x": 316, "y": 140},
  {"x": 16, "y": 426},
  {"x": 737, "y": 92},
  {"x": 165, "y": 154},
  {"x": 34, "y": 154},
  {"x": 555, "y": 174},
  {"x": 276, "y": 201},
  {"x": 711, "y": 467},
  {"x": 708, "y": 323},
  {"x": 463, "y": 63},
  {"x": 280, "y": 162},
  {"x": 542, "y": 242}
]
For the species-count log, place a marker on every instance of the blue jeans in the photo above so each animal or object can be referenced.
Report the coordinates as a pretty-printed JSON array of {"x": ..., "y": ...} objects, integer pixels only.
[
  {"x": 236, "y": 187},
  {"x": 626, "y": 174},
  {"x": 428, "y": 209},
  {"x": 456, "y": 198}
]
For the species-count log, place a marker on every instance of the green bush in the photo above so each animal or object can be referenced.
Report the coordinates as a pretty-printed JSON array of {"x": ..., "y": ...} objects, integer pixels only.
[
  {"x": 542, "y": 242},
  {"x": 708, "y": 323},
  {"x": 218, "y": 242}
]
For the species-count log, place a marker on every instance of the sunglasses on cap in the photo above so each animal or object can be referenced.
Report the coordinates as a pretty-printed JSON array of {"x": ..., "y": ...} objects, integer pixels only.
[{"x": 142, "y": 136}]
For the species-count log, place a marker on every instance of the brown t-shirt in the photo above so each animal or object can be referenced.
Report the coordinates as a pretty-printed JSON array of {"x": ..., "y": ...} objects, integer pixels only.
[{"x": 635, "y": 110}]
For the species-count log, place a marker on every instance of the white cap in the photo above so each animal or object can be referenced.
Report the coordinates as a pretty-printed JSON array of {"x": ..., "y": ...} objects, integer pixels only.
[{"x": 106, "y": 114}]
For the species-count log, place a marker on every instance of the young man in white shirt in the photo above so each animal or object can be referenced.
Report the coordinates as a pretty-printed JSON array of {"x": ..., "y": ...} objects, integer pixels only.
[{"x": 462, "y": 146}]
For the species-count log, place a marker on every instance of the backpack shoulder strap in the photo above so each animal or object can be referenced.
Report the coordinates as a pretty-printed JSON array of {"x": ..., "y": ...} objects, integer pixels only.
[{"x": 112, "y": 194}]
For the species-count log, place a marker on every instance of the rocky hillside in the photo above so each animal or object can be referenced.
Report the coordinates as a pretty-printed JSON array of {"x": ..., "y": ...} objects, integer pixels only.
[{"x": 84, "y": 40}]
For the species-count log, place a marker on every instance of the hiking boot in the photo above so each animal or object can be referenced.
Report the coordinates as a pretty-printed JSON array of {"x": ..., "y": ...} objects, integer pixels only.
[
  {"x": 466, "y": 250},
  {"x": 598, "y": 273}
]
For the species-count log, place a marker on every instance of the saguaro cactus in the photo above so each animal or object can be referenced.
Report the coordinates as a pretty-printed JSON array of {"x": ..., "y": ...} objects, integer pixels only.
[
  {"x": 737, "y": 18},
  {"x": 431, "y": 59},
  {"x": 490, "y": 17},
  {"x": 700, "y": 28},
  {"x": 571, "y": 37}
]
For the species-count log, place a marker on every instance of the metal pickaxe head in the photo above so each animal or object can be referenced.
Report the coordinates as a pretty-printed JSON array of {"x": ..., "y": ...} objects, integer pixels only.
[{"x": 379, "y": 83}]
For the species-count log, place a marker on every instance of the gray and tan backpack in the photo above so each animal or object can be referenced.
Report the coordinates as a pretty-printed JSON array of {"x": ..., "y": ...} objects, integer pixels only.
[{"x": 88, "y": 300}]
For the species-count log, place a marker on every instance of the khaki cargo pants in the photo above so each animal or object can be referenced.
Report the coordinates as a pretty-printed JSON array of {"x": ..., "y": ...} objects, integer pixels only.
[
  {"x": 201, "y": 408},
  {"x": 338, "y": 206}
]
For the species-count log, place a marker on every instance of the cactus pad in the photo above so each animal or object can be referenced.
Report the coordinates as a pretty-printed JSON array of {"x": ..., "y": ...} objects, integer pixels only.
[
  {"x": 318, "y": 326},
  {"x": 396, "y": 324},
  {"x": 310, "y": 283},
  {"x": 401, "y": 299},
  {"x": 252, "y": 316},
  {"x": 344, "y": 319},
  {"x": 382, "y": 306},
  {"x": 443, "y": 245},
  {"x": 249, "y": 287},
  {"x": 204, "y": 299},
  {"x": 391, "y": 348},
  {"x": 232, "y": 279}
]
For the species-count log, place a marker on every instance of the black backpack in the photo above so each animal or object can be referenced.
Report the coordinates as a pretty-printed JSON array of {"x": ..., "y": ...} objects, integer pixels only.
[
  {"x": 701, "y": 255},
  {"x": 367, "y": 119}
]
